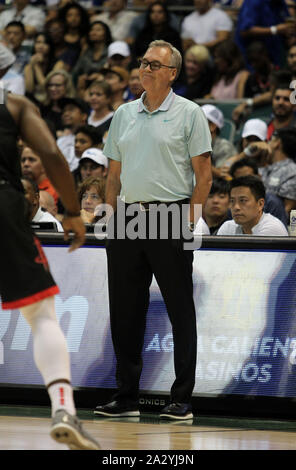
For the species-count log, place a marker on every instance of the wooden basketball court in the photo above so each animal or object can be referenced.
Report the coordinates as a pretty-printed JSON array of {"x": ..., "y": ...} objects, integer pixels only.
[{"x": 24, "y": 428}]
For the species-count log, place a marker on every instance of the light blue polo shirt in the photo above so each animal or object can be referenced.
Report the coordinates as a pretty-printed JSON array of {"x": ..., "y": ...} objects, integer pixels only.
[{"x": 155, "y": 149}]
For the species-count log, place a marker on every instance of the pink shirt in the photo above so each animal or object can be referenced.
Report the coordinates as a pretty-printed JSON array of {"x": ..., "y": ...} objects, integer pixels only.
[{"x": 223, "y": 91}]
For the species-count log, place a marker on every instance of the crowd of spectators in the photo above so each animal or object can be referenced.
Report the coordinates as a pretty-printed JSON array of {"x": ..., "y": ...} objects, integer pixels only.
[{"x": 78, "y": 62}]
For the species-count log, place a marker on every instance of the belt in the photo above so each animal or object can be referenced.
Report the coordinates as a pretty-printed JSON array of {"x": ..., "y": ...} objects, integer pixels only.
[{"x": 145, "y": 206}]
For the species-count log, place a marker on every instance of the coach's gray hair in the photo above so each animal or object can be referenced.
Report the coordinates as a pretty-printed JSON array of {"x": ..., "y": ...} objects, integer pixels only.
[{"x": 176, "y": 57}]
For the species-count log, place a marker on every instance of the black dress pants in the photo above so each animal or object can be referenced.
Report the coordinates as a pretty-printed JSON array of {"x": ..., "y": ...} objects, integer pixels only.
[{"x": 131, "y": 265}]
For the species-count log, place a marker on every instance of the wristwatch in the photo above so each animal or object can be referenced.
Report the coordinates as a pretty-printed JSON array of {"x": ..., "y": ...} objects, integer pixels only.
[
  {"x": 273, "y": 30},
  {"x": 250, "y": 102},
  {"x": 191, "y": 226}
]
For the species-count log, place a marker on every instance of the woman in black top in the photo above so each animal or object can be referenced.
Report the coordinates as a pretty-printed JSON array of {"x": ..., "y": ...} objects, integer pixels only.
[
  {"x": 95, "y": 55},
  {"x": 41, "y": 63},
  {"x": 76, "y": 21},
  {"x": 156, "y": 27},
  {"x": 64, "y": 51}
]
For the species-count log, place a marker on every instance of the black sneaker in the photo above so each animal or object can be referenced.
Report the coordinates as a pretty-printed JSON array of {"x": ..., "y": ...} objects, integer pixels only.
[
  {"x": 177, "y": 411},
  {"x": 115, "y": 408}
]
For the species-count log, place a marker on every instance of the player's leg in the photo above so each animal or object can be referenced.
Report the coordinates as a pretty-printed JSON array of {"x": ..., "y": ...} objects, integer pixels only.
[
  {"x": 52, "y": 359},
  {"x": 28, "y": 285}
]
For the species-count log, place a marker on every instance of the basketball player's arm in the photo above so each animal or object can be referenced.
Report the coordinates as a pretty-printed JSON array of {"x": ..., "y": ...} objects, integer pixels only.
[
  {"x": 202, "y": 168},
  {"x": 36, "y": 134}
]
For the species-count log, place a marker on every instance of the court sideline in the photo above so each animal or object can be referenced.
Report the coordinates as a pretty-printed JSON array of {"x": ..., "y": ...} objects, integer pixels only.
[{"x": 24, "y": 428}]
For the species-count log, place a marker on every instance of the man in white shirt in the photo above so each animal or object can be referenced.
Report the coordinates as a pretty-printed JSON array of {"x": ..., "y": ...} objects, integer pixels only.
[
  {"x": 36, "y": 213},
  {"x": 32, "y": 17},
  {"x": 11, "y": 80},
  {"x": 207, "y": 25},
  {"x": 117, "y": 17},
  {"x": 247, "y": 197},
  {"x": 75, "y": 114}
]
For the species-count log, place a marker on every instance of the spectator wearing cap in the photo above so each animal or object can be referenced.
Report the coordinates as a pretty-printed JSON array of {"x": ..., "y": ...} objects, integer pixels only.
[
  {"x": 119, "y": 54},
  {"x": 74, "y": 114},
  {"x": 93, "y": 163},
  {"x": 96, "y": 55},
  {"x": 254, "y": 130},
  {"x": 11, "y": 80},
  {"x": 222, "y": 148},
  {"x": 117, "y": 17},
  {"x": 277, "y": 167},
  {"x": 85, "y": 137},
  {"x": 117, "y": 77},
  {"x": 91, "y": 194},
  {"x": 100, "y": 94},
  {"x": 279, "y": 172}
]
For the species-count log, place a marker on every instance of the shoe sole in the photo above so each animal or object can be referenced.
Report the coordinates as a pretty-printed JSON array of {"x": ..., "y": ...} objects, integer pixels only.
[
  {"x": 118, "y": 415},
  {"x": 65, "y": 434},
  {"x": 174, "y": 417}
]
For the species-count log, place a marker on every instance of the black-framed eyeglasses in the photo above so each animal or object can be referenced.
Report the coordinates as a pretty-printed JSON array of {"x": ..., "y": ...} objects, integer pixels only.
[
  {"x": 154, "y": 65},
  {"x": 55, "y": 85}
]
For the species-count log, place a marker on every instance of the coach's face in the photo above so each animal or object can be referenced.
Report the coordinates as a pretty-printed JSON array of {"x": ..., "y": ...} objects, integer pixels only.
[{"x": 161, "y": 78}]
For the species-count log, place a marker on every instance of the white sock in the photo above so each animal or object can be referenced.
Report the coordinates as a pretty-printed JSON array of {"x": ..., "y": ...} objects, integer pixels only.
[
  {"x": 61, "y": 396},
  {"x": 50, "y": 349}
]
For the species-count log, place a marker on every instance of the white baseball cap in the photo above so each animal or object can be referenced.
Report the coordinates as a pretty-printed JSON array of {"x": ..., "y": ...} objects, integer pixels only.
[
  {"x": 120, "y": 48},
  {"x": 255, "y": 127},
  {"x": 96, "y": 155},
  {"x": 213, "y": 114},
  {"x": 7, "y": 58}
]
